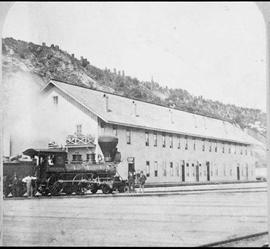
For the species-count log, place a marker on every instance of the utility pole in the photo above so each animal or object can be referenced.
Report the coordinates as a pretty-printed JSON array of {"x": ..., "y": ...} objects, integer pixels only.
[
  {"x": 4, "y": 8},
  {"x": 265, "y": 10}
]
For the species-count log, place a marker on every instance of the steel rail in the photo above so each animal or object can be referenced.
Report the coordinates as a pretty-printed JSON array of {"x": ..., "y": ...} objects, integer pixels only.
[{"x": 237, "y": 239}]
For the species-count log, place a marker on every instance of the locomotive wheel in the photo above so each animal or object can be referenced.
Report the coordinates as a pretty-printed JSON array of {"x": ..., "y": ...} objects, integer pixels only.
[
  {"x": 123, "y": 189},
  {"x": 94, "y": 189},
  {"x": 80, "y": 187},
  {"x": 56, "y": 188},
  {"x": 106, "y": 189}
]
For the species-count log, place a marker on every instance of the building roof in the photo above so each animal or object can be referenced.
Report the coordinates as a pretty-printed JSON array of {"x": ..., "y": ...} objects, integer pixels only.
[{"x": 151, "y": 116}]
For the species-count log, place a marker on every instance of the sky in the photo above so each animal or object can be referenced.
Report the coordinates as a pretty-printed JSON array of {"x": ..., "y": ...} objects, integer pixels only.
[{"x": 211, "y": 49}]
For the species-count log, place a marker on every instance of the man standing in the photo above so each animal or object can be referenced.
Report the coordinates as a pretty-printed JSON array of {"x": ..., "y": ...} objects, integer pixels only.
[
  {"x": 142, "y": 179},
  {"x": 131, "y": 182}
]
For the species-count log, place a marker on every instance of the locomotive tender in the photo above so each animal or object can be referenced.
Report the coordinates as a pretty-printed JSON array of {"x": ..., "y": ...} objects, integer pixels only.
[{"x": 55, "y": 175}]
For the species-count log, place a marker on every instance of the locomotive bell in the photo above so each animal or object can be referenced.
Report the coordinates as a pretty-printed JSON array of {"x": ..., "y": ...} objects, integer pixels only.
[{"x": 107, "y": 145}]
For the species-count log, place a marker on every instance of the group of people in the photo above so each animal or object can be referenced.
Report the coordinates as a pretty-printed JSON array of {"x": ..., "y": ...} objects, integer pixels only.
[{"x": 134, "y": 179}]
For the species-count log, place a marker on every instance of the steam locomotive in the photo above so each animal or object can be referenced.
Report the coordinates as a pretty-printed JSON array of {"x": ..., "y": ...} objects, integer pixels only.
[{"x": 54, "y": 175}]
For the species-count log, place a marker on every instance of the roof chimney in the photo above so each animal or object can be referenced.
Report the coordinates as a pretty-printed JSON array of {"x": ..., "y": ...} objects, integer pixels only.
[
  {"x": 135, "y": 108},
  {"x": 171, "y": 116},
  {"x": 106, "y": 97}
]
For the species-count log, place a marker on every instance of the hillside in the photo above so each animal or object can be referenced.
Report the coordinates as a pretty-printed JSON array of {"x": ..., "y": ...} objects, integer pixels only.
[{"x": 50, "y": 62}]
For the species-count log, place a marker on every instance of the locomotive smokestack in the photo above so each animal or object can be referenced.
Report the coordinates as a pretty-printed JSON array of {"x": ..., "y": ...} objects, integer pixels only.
[{"x": 108, "y": 145}]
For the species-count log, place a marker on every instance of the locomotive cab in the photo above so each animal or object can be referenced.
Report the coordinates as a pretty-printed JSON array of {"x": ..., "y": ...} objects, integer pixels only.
[{"x": 47, "y": 160}]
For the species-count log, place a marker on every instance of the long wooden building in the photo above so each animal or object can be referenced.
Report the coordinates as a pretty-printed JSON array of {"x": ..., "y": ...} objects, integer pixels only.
[{"x": 169, "y": 145}]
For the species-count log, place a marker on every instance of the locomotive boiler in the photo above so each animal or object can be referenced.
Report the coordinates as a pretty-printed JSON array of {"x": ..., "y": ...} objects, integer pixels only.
[{"x": 56, "y": 175}]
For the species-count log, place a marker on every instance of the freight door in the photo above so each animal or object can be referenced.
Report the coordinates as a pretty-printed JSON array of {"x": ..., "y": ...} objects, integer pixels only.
[
  {"x": 131, "y": 164},
  {"x": 238, "y": 173},
  {"x": 197, "y": 172},
  {"x": 183, "y": 171},
  {"x": 208, "y": 170}
]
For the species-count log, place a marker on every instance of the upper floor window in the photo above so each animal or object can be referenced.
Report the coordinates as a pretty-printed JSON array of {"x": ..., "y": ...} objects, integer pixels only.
[
  {"x": 128, "y": 134},
  {"x": 79, "y": 129},
  {"x": 216, "y": 147},
  {"x": 229, "y": 149},
  {"x": 163, "y": 140},
  {"x": 147, "y": 138},
  {"x": 171, "y": 141},
  {"x": 223, "y": 148},
  {"x": 179, "y": 144},
  {"x": 55, "y": 100},
  {"x": 155, "y": 139},
  {"x": 194, "y": 144},
  {"x": 115, "y": 132},
  {"x": 186, "y": 145},
  {"x": 203, "y": 145},
  {"x": 210, "y": 146}
]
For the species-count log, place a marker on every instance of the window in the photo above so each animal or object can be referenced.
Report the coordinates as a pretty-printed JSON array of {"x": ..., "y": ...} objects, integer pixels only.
[
  {"x": 147, "y": 168},
  {"x": 215, "y": 146},
  {"x": 79, "y": 129},
  {"x": 186, "y": 146},
  {"x": 171, "y": 141},
  {"x": 128, "y": 136},
  {"x": 156, "y": 168},
  {"x": 179, "y": 144},
  {"x": 210, "y": 146},
  {"x": 115, "y": 130},
  {"x": 171, "y": 168},
  {"x": 177, "y": 170},
  {"x": 163, "y": 141},
  {"x": 90, "y": 157},
  {"x": 194, "y": 144},
  {"x": 229, "y": 150},
  {"x": 55, "y": 100},
  {"x": 203, "y": 145},
  {"x": 164, "y": 169},
  {"x": 246, "y": 151},
  {"x": 146, "y": 138},
  {"x": 224, "y": 170},
  {"x": 241, "y": 150},
  {"x": 223, "y": 149},
  {"x": 230, "y": 172},
  {"x": 155, "y": 139},
  {"x": 76, "y": 157},
  {"x": 235, "y": 149}
]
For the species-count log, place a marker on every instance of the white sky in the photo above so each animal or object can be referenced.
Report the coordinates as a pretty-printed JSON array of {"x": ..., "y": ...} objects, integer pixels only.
[{"x": 214, "y": 49}]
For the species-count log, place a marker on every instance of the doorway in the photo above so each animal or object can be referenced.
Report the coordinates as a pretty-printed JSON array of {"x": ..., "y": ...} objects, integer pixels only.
[
  {"x": 208, "y": 170},
  {"x": 238, "y": 172},
  {"x": 197, "y": 172},
  {"x": 183, "y": 171}
]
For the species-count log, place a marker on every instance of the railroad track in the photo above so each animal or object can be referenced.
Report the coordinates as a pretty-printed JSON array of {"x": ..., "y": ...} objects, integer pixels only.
[
  {"x": 245, "y": 240},
  {"x": 151, "y": 193}
]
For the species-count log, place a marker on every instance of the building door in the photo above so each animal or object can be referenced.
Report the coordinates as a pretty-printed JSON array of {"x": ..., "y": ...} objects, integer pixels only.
[
  {"x": 238, "y": 173},
  {"x": 183, "y": 171},
  {"x": 131, "y": 164},
  {"x": 197, "y": 172},
  {"x": 208, "y": 170},
  {"x": 131, "y": 167}
]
